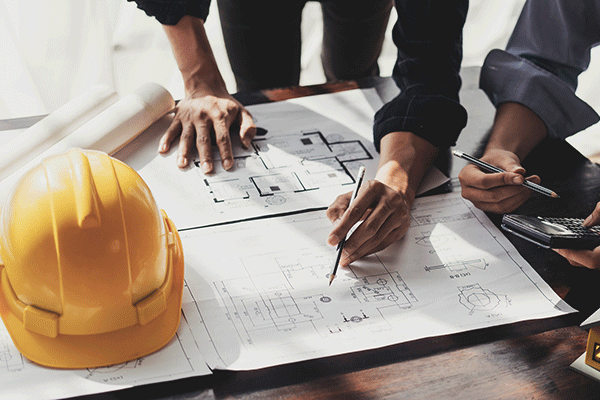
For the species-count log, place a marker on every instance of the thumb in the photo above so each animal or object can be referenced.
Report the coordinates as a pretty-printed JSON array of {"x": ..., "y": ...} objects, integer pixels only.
[
  {"x": 515, "y": 172},
  {"x": 514, "y": 167}
]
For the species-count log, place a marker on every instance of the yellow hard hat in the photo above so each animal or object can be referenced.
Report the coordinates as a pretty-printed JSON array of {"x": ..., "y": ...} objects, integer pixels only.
[{"x": 92, "y": 271}]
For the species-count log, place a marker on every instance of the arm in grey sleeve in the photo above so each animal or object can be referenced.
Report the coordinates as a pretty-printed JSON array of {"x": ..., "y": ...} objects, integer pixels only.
[{"x": 548, "y": 49}]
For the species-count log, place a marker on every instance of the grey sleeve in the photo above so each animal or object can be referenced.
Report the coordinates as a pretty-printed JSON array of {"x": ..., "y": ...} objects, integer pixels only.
[{"x": 548, "y": 49}]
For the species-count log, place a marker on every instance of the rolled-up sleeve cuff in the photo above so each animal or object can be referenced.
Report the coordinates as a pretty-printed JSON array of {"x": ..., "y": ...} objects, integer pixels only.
[
  {"x": 169, "y": 12},
  {"x": 436, "y": 118},
  {"x": 506, "y": 77}
]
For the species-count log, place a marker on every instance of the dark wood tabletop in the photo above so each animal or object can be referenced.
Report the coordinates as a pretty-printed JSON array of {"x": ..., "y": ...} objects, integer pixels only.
[{"x": 526, "y": 360}]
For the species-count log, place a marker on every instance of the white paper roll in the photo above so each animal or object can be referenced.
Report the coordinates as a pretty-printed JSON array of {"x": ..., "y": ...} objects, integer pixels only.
[
  {"x": 54, "y": 127},
  {"x": 108, "y": 131},
  {"x": 122, "y": 122}
]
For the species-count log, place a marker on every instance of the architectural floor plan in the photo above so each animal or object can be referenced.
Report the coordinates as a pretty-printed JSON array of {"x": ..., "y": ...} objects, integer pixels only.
[{"x": 300, "y": 159}]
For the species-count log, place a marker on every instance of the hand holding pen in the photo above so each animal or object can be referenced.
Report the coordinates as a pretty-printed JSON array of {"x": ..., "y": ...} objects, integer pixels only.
[{"x": 502, "y": 190}]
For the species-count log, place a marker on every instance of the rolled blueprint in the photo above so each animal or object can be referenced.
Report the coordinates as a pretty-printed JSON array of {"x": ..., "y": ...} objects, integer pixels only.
[
  {"x": 108, "y": 131},
  {"x": 54, "y": 127},
  {"x": 122, "y": 122}
]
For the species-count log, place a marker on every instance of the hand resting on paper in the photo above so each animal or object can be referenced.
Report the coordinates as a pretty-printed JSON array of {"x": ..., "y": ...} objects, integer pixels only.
[
  {"x": 197, "y": 119},
  {"x": 585, "y": 258},
  {"x": 207, "y": 109}
]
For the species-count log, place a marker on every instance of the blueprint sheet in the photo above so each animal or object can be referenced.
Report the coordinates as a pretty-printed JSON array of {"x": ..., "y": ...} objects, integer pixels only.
[
  {"x": 307, "y": 152},
  {"x": 256, "y": 291},
  {"x": 22, "y": 379},
  {"x": 265, "y": 300}
]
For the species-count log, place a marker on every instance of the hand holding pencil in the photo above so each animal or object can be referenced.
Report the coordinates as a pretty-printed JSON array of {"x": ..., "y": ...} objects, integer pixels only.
[
  {"x": 497, "y": 182},
  {"x": 340, "y": 247}
]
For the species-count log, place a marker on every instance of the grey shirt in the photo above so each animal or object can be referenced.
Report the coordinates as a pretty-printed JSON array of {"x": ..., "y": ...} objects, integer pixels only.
[{"x": 547, "y": 51}]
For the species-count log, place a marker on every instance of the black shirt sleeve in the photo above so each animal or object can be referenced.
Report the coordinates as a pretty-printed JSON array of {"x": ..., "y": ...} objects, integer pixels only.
[
  {"x": 169, "y": 12},
  {"x": 428, "y": 35}
]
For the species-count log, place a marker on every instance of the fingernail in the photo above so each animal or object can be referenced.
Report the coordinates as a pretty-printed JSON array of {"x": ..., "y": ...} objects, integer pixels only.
[
  {"x": 205, "y": 167},
  {"x": 518, "y": 179},
  {"x": 227, "y": 163},
  {"x": 182, "y": 161},
  {"x": 162, "y": 148},
  {"x": 587, "y": 221},
  {"x": 333, "y": 240}
]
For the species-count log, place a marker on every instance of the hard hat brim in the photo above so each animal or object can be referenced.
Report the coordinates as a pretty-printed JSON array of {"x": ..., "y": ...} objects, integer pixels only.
[{"x": 91, "y": 351}]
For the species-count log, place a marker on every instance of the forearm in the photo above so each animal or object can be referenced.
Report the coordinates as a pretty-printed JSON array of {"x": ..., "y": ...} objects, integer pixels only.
[
  {"x": 404, "y": 159},
  {"x": 516, "y": 129},
  {"x": 194, "y": 57}
]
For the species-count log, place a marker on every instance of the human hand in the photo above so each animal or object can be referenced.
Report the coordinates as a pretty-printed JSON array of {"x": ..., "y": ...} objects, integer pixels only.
[
  {"x": 197, "y": 118},
  {"x": 582, "y": 258},
  {"x": 585, "y": 258},
  {"x": 384, "y": 213},
  {"x": 496, "y": 192}
]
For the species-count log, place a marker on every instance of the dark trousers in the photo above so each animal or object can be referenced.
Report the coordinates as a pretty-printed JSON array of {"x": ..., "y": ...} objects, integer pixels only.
[{"x": 263, "y": 40}]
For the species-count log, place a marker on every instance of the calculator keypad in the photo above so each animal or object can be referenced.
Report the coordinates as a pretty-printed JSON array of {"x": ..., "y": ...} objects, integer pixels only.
[{"x": 574, "y": 225}]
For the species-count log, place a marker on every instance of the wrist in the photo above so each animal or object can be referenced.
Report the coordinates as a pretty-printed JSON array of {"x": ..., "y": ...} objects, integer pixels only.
[
  {"x": 516, "y": 129},
  {"x": 404, "y": 160},
  {"x": 197, "y": 84}
]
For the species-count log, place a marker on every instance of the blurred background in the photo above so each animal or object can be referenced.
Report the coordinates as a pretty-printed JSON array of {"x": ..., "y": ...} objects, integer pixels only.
[{"x": 52, "y": 51}]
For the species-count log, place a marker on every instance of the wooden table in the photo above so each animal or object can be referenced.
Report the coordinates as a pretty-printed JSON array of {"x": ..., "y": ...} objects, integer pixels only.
[{"x": 517, "y": 361}]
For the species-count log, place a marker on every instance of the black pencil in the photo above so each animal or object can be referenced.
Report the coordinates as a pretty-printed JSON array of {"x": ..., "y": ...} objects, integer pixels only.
[
  {"x": 491, "y": 168},
  {"x": 340, "y": 247}
]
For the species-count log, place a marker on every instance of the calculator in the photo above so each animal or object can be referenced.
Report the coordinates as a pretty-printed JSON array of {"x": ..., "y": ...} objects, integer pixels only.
[{"x": 551, "y": 232}]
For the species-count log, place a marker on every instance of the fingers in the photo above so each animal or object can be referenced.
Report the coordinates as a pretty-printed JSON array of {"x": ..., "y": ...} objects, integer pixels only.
[
  {"x": 495, "y": 192},
  {"x": 582, "y": 258},
  {"x": 195, "y": 121},
  {"x": 593, "y": 218},
  {"x": 361, "y": 244},
  {"x": 472, "y": 176},
  {"x": 223, "y": 140},
  {"x": 170, "y": 135},
  {"x": 247, "y": 129},
  {"x": 384, "y": 213},
  {"x": 204, "y": 146},
  {"x": 337, "y": 209},
  {"x": 351, "y": 214},
  {"x": 187, "y": 139}
]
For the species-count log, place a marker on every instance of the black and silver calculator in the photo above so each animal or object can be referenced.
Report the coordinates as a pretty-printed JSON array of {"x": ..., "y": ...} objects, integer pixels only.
[{"x": 551, "y": 232}]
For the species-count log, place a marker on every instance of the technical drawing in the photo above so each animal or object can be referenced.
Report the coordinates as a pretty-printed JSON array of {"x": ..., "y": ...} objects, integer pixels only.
[
  {"x": 459, "y": 265},
  {"x": 287, "y": 164},
  {"x": 11, "y": 359},
  {"x": 431, "y": 241},
  {"x": 268, "y": 303},
  {"x": 454, "y": 210},
  {"x": 278, "y": 309},
  {"x": 111, "y": 369},
  {"x": 475, "y": 298},
  {"x": 377, "y": 289}
]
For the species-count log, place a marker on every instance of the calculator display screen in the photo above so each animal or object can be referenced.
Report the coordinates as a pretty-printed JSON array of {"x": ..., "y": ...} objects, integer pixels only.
[{"x": 545, "y": 226}]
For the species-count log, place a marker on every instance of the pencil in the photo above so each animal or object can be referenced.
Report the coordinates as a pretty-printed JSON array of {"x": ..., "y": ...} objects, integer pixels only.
[
  {"x": 491, "y": 168},
  {"x": 340, "y": 246}
]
